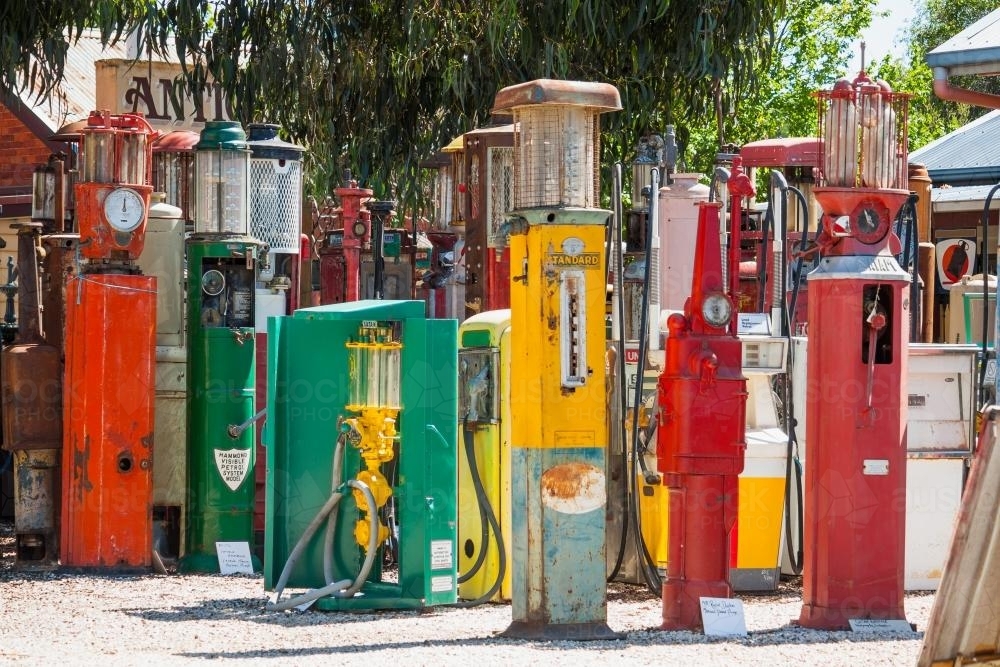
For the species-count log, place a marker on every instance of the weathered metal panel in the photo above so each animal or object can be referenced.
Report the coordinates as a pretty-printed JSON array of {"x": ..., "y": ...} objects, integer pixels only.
[{"x": 964, "y": 626}]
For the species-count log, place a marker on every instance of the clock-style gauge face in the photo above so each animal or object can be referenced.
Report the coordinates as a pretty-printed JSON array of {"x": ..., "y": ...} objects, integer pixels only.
[
  {"x": 213, "y": 282},
  {"x": 870, "y": 225},
  {"x": 124, "y": 209},
  {"x": 717, "y": 309},
  {"x": 359, "y": 229}
]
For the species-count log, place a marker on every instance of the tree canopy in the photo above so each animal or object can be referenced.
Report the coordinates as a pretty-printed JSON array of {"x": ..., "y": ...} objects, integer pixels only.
[
  {"x": 376, "y": 86},
  {"x": 379, "y": 85}
]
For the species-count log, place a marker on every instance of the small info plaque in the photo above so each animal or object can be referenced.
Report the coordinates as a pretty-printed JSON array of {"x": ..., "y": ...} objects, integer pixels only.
[{"x": 723, "y": 617}]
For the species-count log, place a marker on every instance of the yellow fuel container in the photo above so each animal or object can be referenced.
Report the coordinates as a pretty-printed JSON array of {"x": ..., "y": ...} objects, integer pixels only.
[{"x": 484, "y": 425}]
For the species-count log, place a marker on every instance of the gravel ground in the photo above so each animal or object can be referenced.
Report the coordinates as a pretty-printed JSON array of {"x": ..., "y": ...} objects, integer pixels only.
[{"x": 58, "y": 617}]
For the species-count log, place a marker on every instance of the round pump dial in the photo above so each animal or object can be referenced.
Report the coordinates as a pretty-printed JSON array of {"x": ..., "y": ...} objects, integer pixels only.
[
  {"x": 213, "y": 282},
  {"x": 717, "y": 309},
  {"x": 124, "y": 209}
]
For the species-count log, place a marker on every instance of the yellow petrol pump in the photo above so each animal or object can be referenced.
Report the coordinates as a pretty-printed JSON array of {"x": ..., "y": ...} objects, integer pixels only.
[
  {"x": 484, "y": 457},
  {"x": 557, "y": 291}
]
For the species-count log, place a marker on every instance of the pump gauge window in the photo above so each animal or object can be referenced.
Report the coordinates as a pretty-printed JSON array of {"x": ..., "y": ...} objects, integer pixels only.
[
  {"x": 717, "y": 309},
  {"x": 871, "y": 223},
  {"x": 359, "y": 229},
  {"x": 124, "y": 209},
  {"x": 213, "y": 282}
]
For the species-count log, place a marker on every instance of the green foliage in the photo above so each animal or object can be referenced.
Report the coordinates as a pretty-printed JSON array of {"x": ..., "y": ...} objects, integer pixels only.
[
  {"x": 935, "y": 23},
  {"x": 815, "y": 39}
]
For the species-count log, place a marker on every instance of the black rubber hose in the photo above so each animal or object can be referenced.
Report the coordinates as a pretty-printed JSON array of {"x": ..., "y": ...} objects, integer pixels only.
[
  {"x": 792, "y": 463},
  {"x": 622, "y": 379},
  {"x": 648, "y": 568},
  {"x": 494, "y": 525}
]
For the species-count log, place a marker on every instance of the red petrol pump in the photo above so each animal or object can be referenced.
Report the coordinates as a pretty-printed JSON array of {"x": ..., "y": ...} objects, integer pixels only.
[
  {"x": 340, "y": 254},
  {"x": 700, "y": 440},
  {"x": 109, "y": 386},
  {"x": 855, "y": 488}
]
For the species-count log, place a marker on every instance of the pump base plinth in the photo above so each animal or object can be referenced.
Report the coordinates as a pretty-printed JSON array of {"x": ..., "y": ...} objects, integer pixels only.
[
  {"x": 682, "y": 605},
  {"x": 818, "y": 617},
  {"x": 208, "y": 563},
  {"x": 592, "y": 631}
]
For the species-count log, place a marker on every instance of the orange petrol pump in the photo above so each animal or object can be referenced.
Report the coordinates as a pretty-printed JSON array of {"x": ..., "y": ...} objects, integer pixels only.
[
  {"x": 109, "y": 388},
  {"x": 855, "y": 482}
]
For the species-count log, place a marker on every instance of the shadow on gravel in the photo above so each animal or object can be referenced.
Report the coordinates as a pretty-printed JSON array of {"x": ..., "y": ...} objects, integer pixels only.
[
  {"x": 639, "y": 638},
  {"x": 253, "y": 611}
]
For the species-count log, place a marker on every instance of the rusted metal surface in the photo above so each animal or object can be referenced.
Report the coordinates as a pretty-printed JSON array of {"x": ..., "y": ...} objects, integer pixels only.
[
  {"x": 36, "y": 499},
  {"x": 573, "y": 488},
  {"x": 598, "y": 96},
  {"x": 59, "y": 263},
  {"x": 31, "y": 370},
  {"x": 108, "y": 441}
]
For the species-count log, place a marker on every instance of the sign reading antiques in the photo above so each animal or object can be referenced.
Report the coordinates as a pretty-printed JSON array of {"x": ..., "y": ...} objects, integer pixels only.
[{"x": 158, "y": 90}]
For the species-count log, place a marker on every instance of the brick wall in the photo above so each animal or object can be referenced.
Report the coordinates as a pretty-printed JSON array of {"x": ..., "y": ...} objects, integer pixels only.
[{"x": 20, "y": 152}]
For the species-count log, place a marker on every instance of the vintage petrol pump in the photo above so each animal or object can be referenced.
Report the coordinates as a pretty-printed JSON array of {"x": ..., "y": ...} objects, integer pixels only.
[
  {"x": 340, "y": 254},
  {"x": 558, "y": 290},
  {"x": 275, "y": 211},
  {"x": 221, "y": 262},
  {"x": 32, "y": 385},
  {"x": 700, "y": 443},
  {"x": 375, "y": 432},
  {"x": 455, "y": 206},
  {"x": 490, "y": 154},
  {"x": 109, "y": 386},
  {"x": 859, "y": 307},
  {"x": 276, "y": 220},
  {"x": 170, "y": 212},
  {"x": 439, "y": 279},
  {"x": 173, "y": 169},
  {"x": 32, "y": 417},
  {"x": 484, "y": 497},
  {"x": 163, "y": 257},
  {"x": 388, "y": 264}
]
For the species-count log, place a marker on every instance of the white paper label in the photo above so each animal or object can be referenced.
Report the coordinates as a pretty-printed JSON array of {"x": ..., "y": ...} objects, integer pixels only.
[
  {"x": 876, "y": 467},
  {"x": 234, "y": 557},
  {"x": 879, "y": 625},
  {"x": 723, "y": 617},
  {"x": 442, "y": 584},
  {"x": 756, "y": 324},
  {"x": 441, "y": 555},
  {"x": 233, "y": 465}
]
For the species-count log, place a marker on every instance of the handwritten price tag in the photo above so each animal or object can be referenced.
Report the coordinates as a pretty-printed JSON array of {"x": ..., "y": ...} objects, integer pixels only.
[
  {"x": 723, "y": 617},
  {"x": 234, "y": 557}
]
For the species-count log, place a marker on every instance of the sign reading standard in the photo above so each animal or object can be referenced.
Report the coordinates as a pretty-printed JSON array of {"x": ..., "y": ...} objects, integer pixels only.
[{"x": 584, "y": 260}]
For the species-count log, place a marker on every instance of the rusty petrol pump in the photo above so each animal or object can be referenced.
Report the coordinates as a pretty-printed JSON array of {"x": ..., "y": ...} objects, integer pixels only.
[
  {"x": 857, "y": 363},
  {"x": 109, "y": 385},
  {"x": 32, "y": 388},
  {"x": 700, "y": 440},
  {"x": 559, "y": 439}
]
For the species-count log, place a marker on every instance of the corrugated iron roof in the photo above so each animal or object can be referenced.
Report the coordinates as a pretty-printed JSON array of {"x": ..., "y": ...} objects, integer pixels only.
[
  {"x": 73, "y": 99},
  {"x": 975, "y": 50},
  {"x": 970, "y": 152},
  {"x": 976, "y": 193}
]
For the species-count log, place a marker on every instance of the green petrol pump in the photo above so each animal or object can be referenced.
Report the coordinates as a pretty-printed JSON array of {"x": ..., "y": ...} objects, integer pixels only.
[
  {"x": 221, "y": 263},
  {"x": 361, "y": 445}
]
